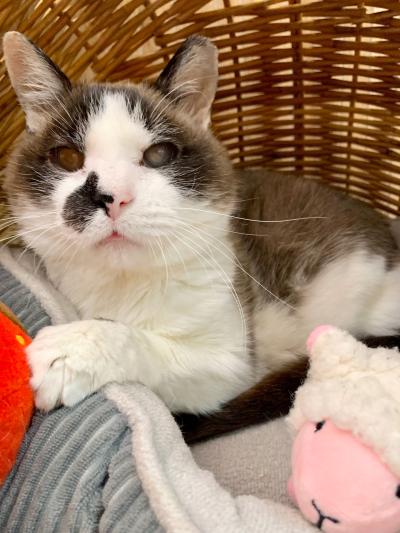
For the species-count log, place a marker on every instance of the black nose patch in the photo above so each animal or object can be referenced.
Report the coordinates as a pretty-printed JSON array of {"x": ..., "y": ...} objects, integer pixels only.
[{"x": 83, "y": 203}]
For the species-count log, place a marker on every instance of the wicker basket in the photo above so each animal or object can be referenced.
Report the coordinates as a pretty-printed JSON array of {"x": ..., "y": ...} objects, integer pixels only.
[{"x": 306, "y": 86}]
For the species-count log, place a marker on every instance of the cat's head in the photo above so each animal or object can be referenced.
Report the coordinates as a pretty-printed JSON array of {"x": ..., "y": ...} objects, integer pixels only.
[{"x": 125, "y": 173}]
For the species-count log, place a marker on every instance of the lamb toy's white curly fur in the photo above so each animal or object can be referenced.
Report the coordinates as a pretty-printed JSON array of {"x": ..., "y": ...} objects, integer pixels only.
[{"x": 356, "y": 387}]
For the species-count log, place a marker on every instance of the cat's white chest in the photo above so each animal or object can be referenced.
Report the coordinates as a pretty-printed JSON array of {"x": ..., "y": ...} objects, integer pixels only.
[
  {"x": 196, "y": 302},
  {"x": 132, "y": 300}
]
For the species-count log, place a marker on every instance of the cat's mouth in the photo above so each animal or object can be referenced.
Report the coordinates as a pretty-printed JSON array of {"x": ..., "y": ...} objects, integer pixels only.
[{"x": 117, "y": 238}]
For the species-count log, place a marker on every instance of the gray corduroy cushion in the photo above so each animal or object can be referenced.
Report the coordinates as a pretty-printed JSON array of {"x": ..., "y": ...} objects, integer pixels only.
[
  {"x": 22, "y": 302},
  {"x": 75, "y": 471}
]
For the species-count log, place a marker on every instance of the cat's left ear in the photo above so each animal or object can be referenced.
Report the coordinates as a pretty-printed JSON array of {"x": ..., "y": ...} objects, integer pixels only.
[
  {"x": 38, "y": 82},
  {"x": 190, "y": 78}
]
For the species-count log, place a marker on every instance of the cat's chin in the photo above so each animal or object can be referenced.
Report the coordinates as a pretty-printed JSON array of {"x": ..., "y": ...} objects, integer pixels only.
[{"x": 121, "y": 253}]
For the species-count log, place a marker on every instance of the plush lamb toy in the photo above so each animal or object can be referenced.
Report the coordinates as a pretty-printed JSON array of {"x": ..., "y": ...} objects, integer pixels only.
[{"x": 346, "y": 454}]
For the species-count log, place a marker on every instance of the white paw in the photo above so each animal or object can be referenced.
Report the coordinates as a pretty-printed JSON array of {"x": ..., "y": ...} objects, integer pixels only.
[{"x": 68, "y": 362}]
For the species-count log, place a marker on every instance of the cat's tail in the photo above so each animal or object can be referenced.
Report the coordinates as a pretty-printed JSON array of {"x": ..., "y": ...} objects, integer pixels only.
[{"x": 270, "y": 398}]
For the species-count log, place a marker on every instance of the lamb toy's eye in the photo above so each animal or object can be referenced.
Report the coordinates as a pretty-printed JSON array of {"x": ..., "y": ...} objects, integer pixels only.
[
  {"x": 398, "y": 491},
  {"x": 319, "y": 425}
]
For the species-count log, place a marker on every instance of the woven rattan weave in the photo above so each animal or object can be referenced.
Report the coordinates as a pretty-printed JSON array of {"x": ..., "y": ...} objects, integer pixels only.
[{"x": 306, "y": 86}]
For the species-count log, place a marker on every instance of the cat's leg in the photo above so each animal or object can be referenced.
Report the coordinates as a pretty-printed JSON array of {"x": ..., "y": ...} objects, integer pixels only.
[
  {"x": 192, "y": 373},
  {"x": 354, "y": 292},
  {"x": 343, "y": 292}
]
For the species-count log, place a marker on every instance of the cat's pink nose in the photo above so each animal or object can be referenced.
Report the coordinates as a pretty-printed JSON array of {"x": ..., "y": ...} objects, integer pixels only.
[{"x": 115, "y": 208}]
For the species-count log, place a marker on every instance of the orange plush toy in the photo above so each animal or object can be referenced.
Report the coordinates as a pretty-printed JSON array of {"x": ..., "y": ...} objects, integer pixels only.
[{"x": 16, "y": 397}]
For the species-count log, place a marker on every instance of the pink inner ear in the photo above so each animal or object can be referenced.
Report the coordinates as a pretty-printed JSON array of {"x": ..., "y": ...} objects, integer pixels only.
[{"x": 315, "y": 334}]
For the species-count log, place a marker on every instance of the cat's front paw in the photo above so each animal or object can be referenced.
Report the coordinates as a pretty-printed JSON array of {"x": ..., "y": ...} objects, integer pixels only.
[{"x": 69, "y": 362}]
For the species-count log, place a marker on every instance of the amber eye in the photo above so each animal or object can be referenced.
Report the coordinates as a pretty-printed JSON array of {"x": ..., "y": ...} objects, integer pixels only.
[
  {"x": 160, "y": 154},
  {"x": 67, "y": 158}
]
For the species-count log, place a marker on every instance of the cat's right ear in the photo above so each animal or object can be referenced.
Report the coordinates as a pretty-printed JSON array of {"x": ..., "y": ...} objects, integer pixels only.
[{"x": 37, "y": 81}]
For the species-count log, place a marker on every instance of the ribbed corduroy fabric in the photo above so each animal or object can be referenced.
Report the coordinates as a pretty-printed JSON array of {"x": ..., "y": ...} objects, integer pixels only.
[
  {"x": 75, "y": 473},
  {"x": 22, "y": 302}
]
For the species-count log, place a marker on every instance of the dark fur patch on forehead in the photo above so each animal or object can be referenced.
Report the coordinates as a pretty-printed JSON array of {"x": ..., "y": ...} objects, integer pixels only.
[
  {"x": 202, "y": 161},
  {"x": 70, "y": 123},
  {"x": 85, "y": 101}
]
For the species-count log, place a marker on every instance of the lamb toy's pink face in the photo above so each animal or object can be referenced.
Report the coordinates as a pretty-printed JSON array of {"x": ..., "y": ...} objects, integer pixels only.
[{"x": 340, "y": 484}]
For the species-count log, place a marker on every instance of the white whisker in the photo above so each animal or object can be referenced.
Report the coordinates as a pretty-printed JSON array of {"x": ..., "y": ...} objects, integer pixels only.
[
  {"x": 218, "y": 268},
  {"x": 250, "y": 219},
  {"x": 240, "y": 266}
]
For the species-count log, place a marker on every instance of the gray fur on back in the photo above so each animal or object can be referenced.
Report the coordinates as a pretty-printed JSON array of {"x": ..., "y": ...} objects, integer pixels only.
[{"x": 285, "y": 256}]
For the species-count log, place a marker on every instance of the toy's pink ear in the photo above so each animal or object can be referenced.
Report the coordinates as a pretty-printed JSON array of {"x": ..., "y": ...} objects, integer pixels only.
[{"x": 315, "y": 334}]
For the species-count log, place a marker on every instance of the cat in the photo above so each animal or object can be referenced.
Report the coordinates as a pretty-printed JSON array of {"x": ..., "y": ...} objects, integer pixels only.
[{"x": 194, "y": 279}]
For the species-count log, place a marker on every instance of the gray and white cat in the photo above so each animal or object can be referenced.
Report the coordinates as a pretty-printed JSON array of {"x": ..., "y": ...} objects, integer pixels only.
[{"x": 180, "y": 281}]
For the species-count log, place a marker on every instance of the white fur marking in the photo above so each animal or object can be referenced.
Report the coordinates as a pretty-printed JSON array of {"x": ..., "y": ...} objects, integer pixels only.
[{"x": 355, "y": 293}]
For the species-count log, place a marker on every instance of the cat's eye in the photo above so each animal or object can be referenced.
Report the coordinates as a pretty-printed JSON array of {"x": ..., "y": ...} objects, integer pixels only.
[
  {"x": 67, "y": 158},
  {"x": 160, "y": 154},
  {"x": 319, "y": 426}
]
